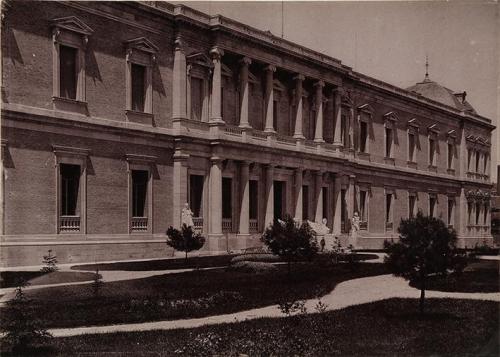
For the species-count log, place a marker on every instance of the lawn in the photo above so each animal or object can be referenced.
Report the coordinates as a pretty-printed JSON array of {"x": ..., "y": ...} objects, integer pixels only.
[
  {"x": 385, "y": 328},
  {"x": 190, "y": 294},
  {"x": 210, "y": 261},
  {"x": 478, "y": 276},
  {"x": 10, "y": 279}
]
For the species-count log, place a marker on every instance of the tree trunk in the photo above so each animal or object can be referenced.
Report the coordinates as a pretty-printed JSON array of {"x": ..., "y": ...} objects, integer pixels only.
[{"x": 422, "y": 295}]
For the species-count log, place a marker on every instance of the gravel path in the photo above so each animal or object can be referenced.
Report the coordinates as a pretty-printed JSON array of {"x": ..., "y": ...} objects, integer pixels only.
[{"x": 348, "y": 293}]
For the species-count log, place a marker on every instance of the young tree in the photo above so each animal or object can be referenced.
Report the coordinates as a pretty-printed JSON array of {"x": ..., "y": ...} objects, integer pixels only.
[
  {"x": 290, "y": 240},
  {"x": 185, "y": 240},
  {"x": 50, "y": 262},
  {"x": 426, "y": 246},
  {"x": 21, "y": 329}
]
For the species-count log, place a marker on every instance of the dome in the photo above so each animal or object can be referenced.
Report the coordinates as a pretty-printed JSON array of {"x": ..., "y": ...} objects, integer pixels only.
[{"x": 441, "y": 94}]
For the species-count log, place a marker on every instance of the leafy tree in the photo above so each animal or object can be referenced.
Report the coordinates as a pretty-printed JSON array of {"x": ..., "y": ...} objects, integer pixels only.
[
  {"x": 20, "y": 327},
  {"x": 185, "y": 240},
  {"x": 50, "y": 262},
  {"x": 426, "y": 246},
  {"x": 290, "y": 240}
]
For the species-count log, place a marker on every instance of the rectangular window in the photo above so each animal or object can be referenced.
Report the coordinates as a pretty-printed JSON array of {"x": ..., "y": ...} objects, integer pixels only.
[
  {"x": 469, "y": 160},
  {"x": 478, "y": 158},
  {"x": 450, "y": 155},
  {"x": 411, "y": 147},
  {"x": 478, "y": 212},
  {"x": 70, "y": 183},
  {"x": 432, "y": 152},
  {"x": 139, "y": 192},
  {"x": 196, "y": 194},
  {"x": 485, "y": 214},
  {"x": 451, "y": 203},
  {"x": 279, "y": 199},
  {"x": 363, "y": 136},
  {"x": 485, "y": 165},
  {"x": 67, "y": 71},
  {"x": 138, "y": 75},
  {"x": 343, "y": 129},
  {"x": 275, "y": 114},
  {"x": 470, "y": 208},
  {"x": 227, "y": 206},
  {"x": 305, "y": 202},
  {"x": 388, "y": 142},
  {"x": 363, "y": 205},
  {"x": 432, "y": 205},
  {"x": 254, "y": 199},
  {"x": 325, "y": 202},
  {"x": 388, "y": 208},
  {"x": 196, "y": 98},
  {"x": 412, "y": 202},
  {"x": 343, "y": 210}
]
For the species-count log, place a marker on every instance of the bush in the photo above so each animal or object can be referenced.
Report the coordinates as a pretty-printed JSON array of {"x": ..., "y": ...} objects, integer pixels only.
[
  {"x": 258, "y": 257},
  {"x": 50, "y": 262},
  {"x": 185, "y": 240},
  {"x": 253, "y": 267},
  {"x": 426, "y": 247},
  {"x": 290, "y": 240}
]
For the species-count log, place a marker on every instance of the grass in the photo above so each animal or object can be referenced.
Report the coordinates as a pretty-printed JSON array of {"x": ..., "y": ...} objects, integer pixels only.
[
  {"x": 190, "y": 294},
  {"x": 479, "y": 276},
  {"x": 385, "y": 328},
  {"x": 15, "y": 278},
  {"x": 181, "y": 263}
]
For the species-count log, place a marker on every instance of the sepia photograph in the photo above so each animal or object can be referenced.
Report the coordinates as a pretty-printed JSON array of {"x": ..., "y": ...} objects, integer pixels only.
[{"x": 250, "y": 178}]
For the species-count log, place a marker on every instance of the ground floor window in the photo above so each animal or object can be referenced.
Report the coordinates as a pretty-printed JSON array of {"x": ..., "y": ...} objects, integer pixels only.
[
  {"x": 254, "y": 199},
  {"x": 139, "y": 193},
  {"x": 451, "y": 206},
  {"x": 305, "y": 202},
  {"x": 70, "y": 184},
  {"x": 227, "y": 207},
  {"x": 412, "y": 205},
  {"x": 343, "y": 210},
  {"x": 432, "y": 205},
  {"x": 324, "y": 197},
  {"x": 279, "y": 199},
  {"x": 388, "y": 210},
  {"x": 196, "y": 194}
]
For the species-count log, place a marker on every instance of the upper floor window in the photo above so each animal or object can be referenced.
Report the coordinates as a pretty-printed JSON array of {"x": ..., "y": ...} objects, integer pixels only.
[
  {"x": 389, "y": 208},
  {"x": 432, "y": 205},
  {"x": 412, "y": 204},
  {"x": 390, "y": 120},
  {"x": 411, "y": 147},
  {"x": 432, "y": 151},
  {"x": 478, "y": 160},
  {"x": 70, "y": 37},
  {"x": 364, "y": 117},
  {"x": 451, "y": 149},
  {"x": 388, "y": 142},
  {"x": 140, "y": 58},
  {"x": 470, "y": 153},
  {"x": 485, "y": 164}
]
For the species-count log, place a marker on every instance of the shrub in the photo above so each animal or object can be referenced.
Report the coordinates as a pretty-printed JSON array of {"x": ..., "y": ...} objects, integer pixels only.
[
  {"x": 253, "y": 267},
  {"x": 426, "y": 246},
  {"x": 185, "y": 240},
  {"x": 50, "y": 262},
  {"x": 22, "y": 331},
  {"x": 258, "y": 257},
  {"x": 290, "y": 240}
]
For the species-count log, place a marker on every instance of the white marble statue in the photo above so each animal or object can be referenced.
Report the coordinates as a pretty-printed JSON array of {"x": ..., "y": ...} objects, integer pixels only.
[
  {"x": 187, "y": 216},
  {"x": 353, "y": 237}
]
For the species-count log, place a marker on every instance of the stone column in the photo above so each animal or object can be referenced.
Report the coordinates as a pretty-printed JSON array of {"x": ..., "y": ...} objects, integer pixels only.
[
  {"x": 216, "y": 116},
  {"x": 179, "y": 79},
  {"x": 298, "y": 133},
  {"x": 350, "y": 197},
  {"x": 245, "y": 62},
  {"x": 180, "y": 185},
  {"x": 318, "y": 217},
  {"x": 270, "y": 69},
  {"x": 463, "y": 214},
  {"x": 337, "y": 116},
  {"x": 245, "y": 199},
  {"x": 298, "y": 194},
  {"x": 269, "y": 217},
  {"x": 215, "y": 196},
  {"x": 318, "y": 133},
  {"x": 337, "y": 201}
]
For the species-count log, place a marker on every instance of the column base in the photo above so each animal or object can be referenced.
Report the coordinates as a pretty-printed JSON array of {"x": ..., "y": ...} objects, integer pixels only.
[
  {"x": 269, "y": 131},
  {"x": 245, "y": 126},
  {"x": 299, "y": 137},
  {"x": 216, "y": 121},
  {"x": 216, "y": 242}
]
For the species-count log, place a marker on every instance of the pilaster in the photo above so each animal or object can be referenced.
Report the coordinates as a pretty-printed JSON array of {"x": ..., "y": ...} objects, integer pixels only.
[
  {"x": 269, "y": 214},
  {"x": 245, "y": 199},
  {"x": 216, "y": 116},
  {"x": 215, "y": 197},
  {"x": 179, "y": 80}
]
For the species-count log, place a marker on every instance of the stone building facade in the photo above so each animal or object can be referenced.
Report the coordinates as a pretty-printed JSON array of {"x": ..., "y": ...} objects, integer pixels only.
[{"x": 114, "y": 115}]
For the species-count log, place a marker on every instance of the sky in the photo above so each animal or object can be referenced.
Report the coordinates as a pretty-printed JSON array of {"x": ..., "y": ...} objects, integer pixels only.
[{"x": 390, "y": 40}]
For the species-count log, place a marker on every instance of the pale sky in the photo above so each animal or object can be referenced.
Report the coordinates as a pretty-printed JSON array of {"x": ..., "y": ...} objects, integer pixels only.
[{"x": 389, "y": 40}]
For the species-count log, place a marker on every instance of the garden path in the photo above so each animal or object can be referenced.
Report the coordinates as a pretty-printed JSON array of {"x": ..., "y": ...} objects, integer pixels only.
[{"x": 348, "y": 293}]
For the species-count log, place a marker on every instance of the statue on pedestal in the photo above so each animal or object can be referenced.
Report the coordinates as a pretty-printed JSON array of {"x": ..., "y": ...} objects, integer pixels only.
[
  {"x": 187, "y": 216},
  {"x": 353, "y": 237}
]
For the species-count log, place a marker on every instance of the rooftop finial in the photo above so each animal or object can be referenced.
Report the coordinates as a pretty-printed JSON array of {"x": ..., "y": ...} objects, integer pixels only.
[{"x": 426, "y": 69}]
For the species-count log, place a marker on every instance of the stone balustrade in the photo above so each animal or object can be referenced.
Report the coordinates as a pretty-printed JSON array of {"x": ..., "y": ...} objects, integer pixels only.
[
  {"x": 69, "y": 224},
  {"x": 139, "y": 224}
]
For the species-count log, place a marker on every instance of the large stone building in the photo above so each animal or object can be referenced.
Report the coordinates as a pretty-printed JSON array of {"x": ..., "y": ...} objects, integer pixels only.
[{"x": 114, "y": 115}]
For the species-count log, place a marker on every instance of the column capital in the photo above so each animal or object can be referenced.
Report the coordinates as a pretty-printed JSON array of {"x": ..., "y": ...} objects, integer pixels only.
[
  {"x": 245, "y": 61},
  {"x": 180, "y": 156},
  {"x": 244, "y": 163},
  {"x": 216, "y": 160},
  {"x": 299, "y": 77},
  {"x": 178, "y": 43},
  {"x": 319, "y": 172},
  {"x": 270, "y": 67},
  {"x": 338, "y": 90},
  {"x": 216, "y": 52},
  {"x": 319, "y": 84}
]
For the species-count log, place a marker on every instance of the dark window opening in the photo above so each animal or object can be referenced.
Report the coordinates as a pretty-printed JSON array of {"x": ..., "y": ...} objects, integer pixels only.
[
  {"x": 305, "y": 202},
  {"x": 325, "y": 202},
  {"x": 450, "y": 212},
  {"x": 388, "y": 208},
  {"x": 279, "y": 199},
  {"x": 432, "y": 151},
  {"x": 478, "y": 212},
  {"x": 343, "y": 129},
  {"x": 363, "y": 135},
  {"x": 411, "y": 206},
  {"x": 138, "y": 84},
  {"x": 450, "y": 156},
  {"x": 478, "y": 158},
  {"x": 139, "y": 192},
  {"x": 388, "y": 142},
  {"x": 67, "y": 72},
  {"x": 196, "y": 98},
  {"x": 432, "y": 206},
  {"x": 362, "y": 206},
  {"x": 411, "y": 147},
  {"x": 254, "y": 199},
  {"x": 227, "y": 206},
  {"x": 70, "y": 183},
  {"x": 196, "y": 194}
]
